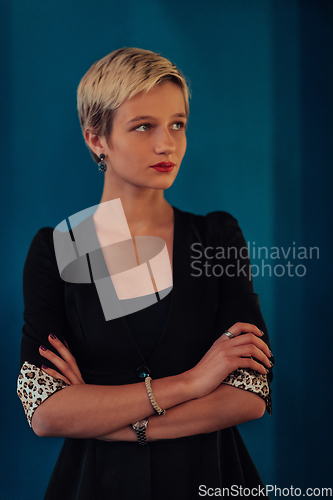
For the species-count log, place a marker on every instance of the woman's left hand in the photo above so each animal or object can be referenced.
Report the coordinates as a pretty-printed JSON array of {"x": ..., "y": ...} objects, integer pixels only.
[
  {"x": 66, "y": 363},
  {"x": 70, "y": 373}
]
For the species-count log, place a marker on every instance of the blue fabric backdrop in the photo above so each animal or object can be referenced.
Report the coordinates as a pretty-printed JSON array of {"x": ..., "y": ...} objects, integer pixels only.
[{"x": 259, "y": 146}]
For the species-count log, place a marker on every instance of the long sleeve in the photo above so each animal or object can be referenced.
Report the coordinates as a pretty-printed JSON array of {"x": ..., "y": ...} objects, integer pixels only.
[
  {"x": 237, "y": 300},
  {"x": 44, "y": 313}
]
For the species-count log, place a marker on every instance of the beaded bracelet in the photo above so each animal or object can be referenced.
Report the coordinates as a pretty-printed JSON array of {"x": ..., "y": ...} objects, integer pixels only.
[{"x": 151, "y": 397}]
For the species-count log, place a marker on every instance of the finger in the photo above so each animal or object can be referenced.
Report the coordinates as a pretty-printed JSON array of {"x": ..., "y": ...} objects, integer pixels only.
[
  {"x": 62, "y": 365},
  {"x": 239, "y": 328},
  {"x": 65, "y": 354},
  {"x": 253, "y": 365},
  {"x": 245, "y": 338},
  {"x": 252, "y": 351},
  {"x": 54, "y": 374},
  {"x": 250, "y": 338}
]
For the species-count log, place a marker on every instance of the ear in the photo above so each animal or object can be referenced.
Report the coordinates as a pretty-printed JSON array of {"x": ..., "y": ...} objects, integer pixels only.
[{"x": 95, "y": 142}]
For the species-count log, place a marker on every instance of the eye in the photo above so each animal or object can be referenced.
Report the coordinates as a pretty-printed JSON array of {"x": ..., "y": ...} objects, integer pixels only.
[
  {"x": 143, "y": 128},
  {"x": 178, "y": 125}
]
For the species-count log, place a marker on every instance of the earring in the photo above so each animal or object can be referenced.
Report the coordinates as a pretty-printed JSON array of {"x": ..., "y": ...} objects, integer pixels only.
[{"x": 102, "y": 166}]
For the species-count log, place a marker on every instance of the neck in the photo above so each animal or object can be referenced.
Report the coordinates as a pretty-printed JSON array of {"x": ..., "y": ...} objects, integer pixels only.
[{"x": 144, "y": 207}]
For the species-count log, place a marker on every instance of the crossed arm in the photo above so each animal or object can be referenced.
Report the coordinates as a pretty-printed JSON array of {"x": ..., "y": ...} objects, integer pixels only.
[
  {"x": 224, "y": 407},
  {"x": 196, "y": 400}
]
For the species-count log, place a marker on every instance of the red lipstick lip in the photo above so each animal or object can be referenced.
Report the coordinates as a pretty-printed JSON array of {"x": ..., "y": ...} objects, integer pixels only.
[{"x": 164, "y": 164}]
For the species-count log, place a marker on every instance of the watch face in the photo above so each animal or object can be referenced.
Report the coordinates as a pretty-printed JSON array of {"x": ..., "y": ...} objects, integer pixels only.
[{"x": 140, "y": 423}]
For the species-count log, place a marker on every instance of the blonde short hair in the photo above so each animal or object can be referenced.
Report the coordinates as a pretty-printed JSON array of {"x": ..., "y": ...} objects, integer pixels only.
[{"x": 116, "y": 78}]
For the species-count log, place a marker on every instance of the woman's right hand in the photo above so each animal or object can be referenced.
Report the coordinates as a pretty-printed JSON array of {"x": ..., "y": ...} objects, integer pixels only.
[
  {"x": 66, "y": 363},
  {"x": 227, "y": 355}
]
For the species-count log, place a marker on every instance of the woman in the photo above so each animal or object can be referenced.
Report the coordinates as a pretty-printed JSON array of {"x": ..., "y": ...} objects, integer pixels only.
[{"x": 165, "y": 377}]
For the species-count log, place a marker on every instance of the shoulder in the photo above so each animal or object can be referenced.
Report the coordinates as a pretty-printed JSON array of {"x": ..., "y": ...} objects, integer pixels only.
[
  {"x": 218, "y": 217},
  {"x": 42, "y": 241},
  {"x": 41, "y": 250},
  {"x": 217, "y": 223},
  {"x": 221, "y": 219},
  {"x": 43, "y": 235}
]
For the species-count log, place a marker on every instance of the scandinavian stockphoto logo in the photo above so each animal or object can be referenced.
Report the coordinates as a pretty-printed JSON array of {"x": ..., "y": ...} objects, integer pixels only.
[
  {"x": 130, "y": 274},
  {"x": 266, "y": 261}
]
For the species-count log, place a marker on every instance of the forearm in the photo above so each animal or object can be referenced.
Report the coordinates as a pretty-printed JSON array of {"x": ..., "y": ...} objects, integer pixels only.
[
  {"x": 224, "y": 407},
  {"x": 88, "y": 411}
]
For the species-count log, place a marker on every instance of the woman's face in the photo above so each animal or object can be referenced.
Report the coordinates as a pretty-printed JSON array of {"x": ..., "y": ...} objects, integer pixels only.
[{"x": 147, "y": 130}]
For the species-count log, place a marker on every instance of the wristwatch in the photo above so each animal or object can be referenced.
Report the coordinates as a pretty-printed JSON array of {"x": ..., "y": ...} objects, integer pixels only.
[{"x": 140, "y": 428}]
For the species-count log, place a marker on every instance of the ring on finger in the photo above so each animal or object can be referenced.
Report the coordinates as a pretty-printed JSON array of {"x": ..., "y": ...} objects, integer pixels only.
[{"x": 229, "y": 334}]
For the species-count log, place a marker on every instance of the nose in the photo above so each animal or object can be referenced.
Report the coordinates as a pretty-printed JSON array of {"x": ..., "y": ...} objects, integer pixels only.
[{"x": 164, "y": 143}]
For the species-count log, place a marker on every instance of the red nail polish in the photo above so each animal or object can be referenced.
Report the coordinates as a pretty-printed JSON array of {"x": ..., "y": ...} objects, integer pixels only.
[
  {"x": 53, "y": 336},
  {"x": 43, "y": 348}
]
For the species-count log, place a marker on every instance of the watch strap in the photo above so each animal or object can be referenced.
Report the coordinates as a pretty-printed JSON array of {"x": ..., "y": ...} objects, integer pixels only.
[{"x": 141, "y": 432}]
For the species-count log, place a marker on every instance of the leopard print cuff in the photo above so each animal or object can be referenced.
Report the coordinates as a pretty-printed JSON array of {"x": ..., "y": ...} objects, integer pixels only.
[
  {"x": 34, "y": 386},
  {"x": 253, "y": 381}
]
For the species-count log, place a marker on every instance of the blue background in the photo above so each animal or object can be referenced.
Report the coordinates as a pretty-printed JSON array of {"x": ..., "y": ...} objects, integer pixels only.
[{"x": 259, "y": 146}]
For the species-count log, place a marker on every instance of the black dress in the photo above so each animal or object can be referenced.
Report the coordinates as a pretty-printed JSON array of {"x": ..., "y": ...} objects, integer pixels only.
[{"x": 203, "y": 303}]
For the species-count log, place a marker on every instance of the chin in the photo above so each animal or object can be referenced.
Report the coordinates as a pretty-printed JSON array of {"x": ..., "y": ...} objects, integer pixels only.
[{"x": 162, "y": 184}]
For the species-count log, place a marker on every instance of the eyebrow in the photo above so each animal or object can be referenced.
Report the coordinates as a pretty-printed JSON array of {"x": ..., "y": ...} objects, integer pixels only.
[{"x": 139, "y": 118}]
